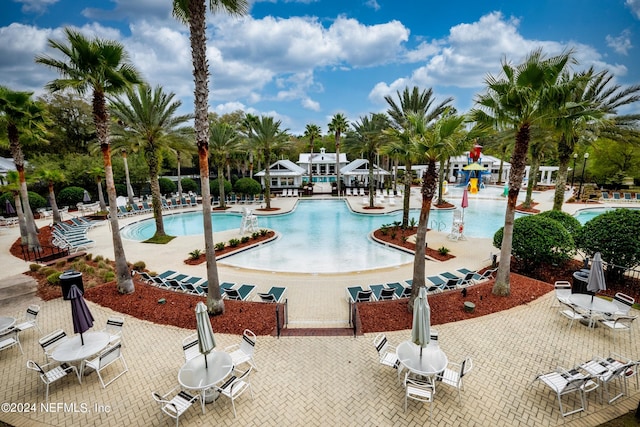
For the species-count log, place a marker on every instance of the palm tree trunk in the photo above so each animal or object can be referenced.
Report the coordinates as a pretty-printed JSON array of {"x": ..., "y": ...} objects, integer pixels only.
[
  {"x": 518, "y": 162},
  {"x": 429, "y": 183},
  {"x": 406, "y": 201},
  {"x": 126, "y": 176},
  {"x": 103, "y": 205},
  {"x": 223, "y": 196},
  {"x": 441, "y": 183},
  {"x": 564, "y": 157},
  {"x": 179, "y": 179},
  {"x": 267, "y": 186},
  {"x": 22, "y": 223},
  {"x": 54, "y": 205},
  {"x": 371, "y": 186},
  {"x": 338, "y": 163},
  {"x": 533, "y": 177},
  {"x": 156, "y": 197},
  {"x": 198, "y": 39}
]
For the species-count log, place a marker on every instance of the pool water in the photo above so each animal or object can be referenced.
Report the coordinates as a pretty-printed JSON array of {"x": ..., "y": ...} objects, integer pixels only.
[{"x": 585, "y": 215}]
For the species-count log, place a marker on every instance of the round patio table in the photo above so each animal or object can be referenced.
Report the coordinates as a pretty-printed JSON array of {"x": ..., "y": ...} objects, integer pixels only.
[
  {"x": 195, "y": 375},
  {"x": 432, "y": 362},
  {"x": 593, "y": 305},
  {"x": 6, "y": 323}
]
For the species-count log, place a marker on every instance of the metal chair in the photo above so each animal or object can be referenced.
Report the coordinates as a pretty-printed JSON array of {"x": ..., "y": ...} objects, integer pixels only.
[
  {"x": 386, "y": 352},
  {"x": 190, "y": 347},
  {"x": 563, "y": 383},
  {"x": 106, "y": 358},
  {"x": 176, "y": 405},
  {"x": 114, "y": 328},
  {"x": 51, "y": 340},
  {"x": 454, "y": 373},
  {"x": 562, "y": 293},
  {"x": 618, "y": 324},
  {"x": 243, "y": 352},
  {"x": 419, "y": 390},
  {"x": 234, "y": 386},
  {"x": 9, "y": 338},
  {"x": 30, "y": 319},
  {"x": 50, "y": 374}
]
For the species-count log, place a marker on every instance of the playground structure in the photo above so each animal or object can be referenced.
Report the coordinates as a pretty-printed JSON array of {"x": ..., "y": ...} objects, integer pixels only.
[{"x": 473, "y": 171}]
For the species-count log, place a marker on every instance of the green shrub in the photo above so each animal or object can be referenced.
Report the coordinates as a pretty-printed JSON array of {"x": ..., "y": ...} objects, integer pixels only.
[
  {"x": 195, "y": 254},
  {"x": 234, "y": 242},
  {"x": 167, "y": 186},
  {"x": 443, "y": 250},
  {"x": 54, "y": 278},
  {"x": 263, "y": 232},
  {"x": 90, "y": 270},
  {"x": 412, "y": 222},
  {"x": 108, "y": 276},
  {"x": 255, "y": 235},
  {"x": 244, "y": 239},
  {"x": 103, "y": 264},
  {"x": 98, "y": 258},
  {"x": 189, "y": 184},
  {"x": 70, "y": 196},
  {"x": 538, "y": 240},
  {"x": 36, "y": 201},
  {"x": 139, "y": 266},
  {"x": 121, "y": 189},
  {"x": 88, "y": 257},
  {"x": 247, "y": 186},
  {"x": 60, "y": 263},
  {"x": 215, "y": 187},
  {"x": 615, "y": 235},
  {"x": 220, "y": 246},
  {"x": 47, "y": 271},
  {"x": 569, "y": 222},
  {"x": 34, "y": 267}
]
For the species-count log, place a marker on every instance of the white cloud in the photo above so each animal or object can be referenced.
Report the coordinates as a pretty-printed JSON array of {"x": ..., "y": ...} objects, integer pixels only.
[
  {"x": 634, "y": 5},
  {"x": 373, "y": 4},
  {"x": 473, "y": 50},
  {"x": 310, "y": 104},
  {"x": 37, "y": 6},
  {"x": 620, "y": 44},
  {"x": 133, "y": 10}
]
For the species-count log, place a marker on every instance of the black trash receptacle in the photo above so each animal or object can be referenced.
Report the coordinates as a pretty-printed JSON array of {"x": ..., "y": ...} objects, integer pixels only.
[
  {"x": 580, "y": 280},
  {"x": 68, "y": 278}
]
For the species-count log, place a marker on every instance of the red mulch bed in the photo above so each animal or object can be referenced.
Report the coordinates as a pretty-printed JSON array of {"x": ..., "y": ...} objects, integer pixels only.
[
  {"x": 202, "y": 258},
  {"x": 448, "y": 306},
  {"x": 399, "y": 241},
  {"x": 530, "y": 209}
]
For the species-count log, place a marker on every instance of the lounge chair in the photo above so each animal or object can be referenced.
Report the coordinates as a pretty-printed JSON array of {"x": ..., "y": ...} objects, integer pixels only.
[
  {"x": 165, "y": 205},
  {"x": 358, "y": 294},
  {"x": 604, "y": 195},
  {"x": 400, "y": 290},
  {"x": 451, "y": 284},
  {"x": 376, "y": 289},
  {"x": 146, "y": 208},
  {"x": 616, "y": 196},
  {"x": 627, "y": 197},
  {"x": 240, "y": 294},
  {"x": 436, "y": 280},
  {"x": 191, "y": 285},
  {"x": 449, "y": 275},
  {"x": 275, "y": 294},
  {"x": 386, "y": 294},
  {"x": 564, "y": 382}
]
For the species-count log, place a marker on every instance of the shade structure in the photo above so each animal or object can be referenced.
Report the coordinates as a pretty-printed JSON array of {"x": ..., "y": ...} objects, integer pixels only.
[
  {"x": 9, "y": 207},
  {"x": 80, "y": 314},
  {"x": 206, "y": 342},
  {"x": 420, "y": 330},
  {"x": 596, "y": 281},
  {"x": 474, "y": 167},
  {"x": 86, "y": 198}
]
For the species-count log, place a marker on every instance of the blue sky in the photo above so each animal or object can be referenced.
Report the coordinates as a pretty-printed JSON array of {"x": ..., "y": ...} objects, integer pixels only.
[{"x": 302, "y": 61}]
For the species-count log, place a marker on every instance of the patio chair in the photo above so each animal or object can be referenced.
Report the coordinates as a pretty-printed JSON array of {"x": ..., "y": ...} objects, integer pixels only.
[
  {"x": 467, "y": 280},
  {"x": 240, "y": 294},
  {"x": 624, "y": 303},
  {"x": 609, "y": 371},
  {"x": 387, "y": 294},
  {"x": 165, "y": 205},
  {"x": 616, "y": 196},
  {"x": 449, "y": 275},
  {"x": 454, "y": 373},
  {"x": 604, "y": 195},
  {"x": 30, "y": 319},
  {"x": 486, "y": 275},
  {"x": 352, "y": 293},
  {"x": 619, "y": 324},
  {"x": 114, "y": 328},
  {"x": 51, "y": 340},
  {"x": 399, "y": 289},
  {"x": 52, "y": 372},
  {"x": 562, "y": 293},
  {"x": 627, "y": 197},
  {"x": 244, "y": 351},
  {"x": 569, "y": 311},
  {"x": 274, "y": 294},
  {"x": 376, "y": 289},
  {"x": 226, "y": 285},
  {"x": 386, "y": 352},
  {"x": 451, "y": 284},
  {"x": 420, "y": 390},
  {"x": 175, "y": 404},
  {"x": 9, "y": 338},
  {"x": 107, "y": 357},
  {"x": 190, "y": 347},
  {"x": 235, "y": 386},
  {"x": 437, "y": 281},
  {"x": 563, "y": 383}
]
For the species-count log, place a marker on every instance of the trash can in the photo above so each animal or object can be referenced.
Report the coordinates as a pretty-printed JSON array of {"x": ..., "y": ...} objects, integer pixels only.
[
  {"x": 580, "y": 280},
  {"x": 68, "y": 278}
]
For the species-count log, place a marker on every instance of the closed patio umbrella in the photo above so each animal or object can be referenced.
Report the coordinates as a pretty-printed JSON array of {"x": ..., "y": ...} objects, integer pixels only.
[
  {"x": 596, "y": 281},
  {"x": 206, "y": 342},
  {"x": 82, "y": 318},
  {"x": 465, "y": 202},
  {"x": 86, "y": 198},
  {"x": 9, "y": 207},
  {"x": 420, "y": 330}
]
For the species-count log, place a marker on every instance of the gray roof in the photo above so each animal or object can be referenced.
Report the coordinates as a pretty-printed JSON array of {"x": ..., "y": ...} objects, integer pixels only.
[
  {"x": 361, "y": 167},
  {"x": 283, "y": 168}
]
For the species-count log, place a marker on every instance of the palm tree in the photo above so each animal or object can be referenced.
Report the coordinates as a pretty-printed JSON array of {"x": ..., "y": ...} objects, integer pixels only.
[
  {"x": 100, "y": 66},
  {"x": 338, "y": 126},
  {"x": 24, "y": 119},
  {"x": 517, "y": 100},
  {"x": 312, "y": 131},
  {"x": 97, "y": 173},
  {"x": 193, "y": 13},
  {"x": 416, "y": 102},
  {"x": 51, "y": 175},
  {"x": 433, "y": 143},
  {"x": 13, "y": 186},
  {"x": 587, "y": 108},
  {"x": 123, "y": 152},
  {"x": 223, "y": 142},
  {"x": 368, "y": 138},
  {"x": 268, "y": 138},
  {"x": 247, "y": 129},
  {"x": 542, "y": 146},
  {"x": 146, "y": 120}
]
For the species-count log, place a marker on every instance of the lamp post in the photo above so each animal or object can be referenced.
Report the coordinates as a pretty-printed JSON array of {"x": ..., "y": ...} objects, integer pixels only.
[
  {"x": 573, "y": 172},
  {"x": 584, "y": 166}
]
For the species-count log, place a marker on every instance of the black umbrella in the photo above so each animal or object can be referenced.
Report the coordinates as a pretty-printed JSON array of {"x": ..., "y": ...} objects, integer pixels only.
[
  {"x": 9, "y": 207},
  {"x": 82, "y": 318},
  {"x": 86, "y": 198}
]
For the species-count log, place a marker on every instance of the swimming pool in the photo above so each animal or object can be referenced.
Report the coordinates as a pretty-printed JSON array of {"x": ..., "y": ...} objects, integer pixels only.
[
  {"x": 587, "y": 214},
  {"x": 324, "y": 235}
]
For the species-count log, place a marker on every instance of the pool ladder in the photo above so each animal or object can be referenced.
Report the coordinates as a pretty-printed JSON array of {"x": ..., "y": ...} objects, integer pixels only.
[{"x": 437, "y": 225}]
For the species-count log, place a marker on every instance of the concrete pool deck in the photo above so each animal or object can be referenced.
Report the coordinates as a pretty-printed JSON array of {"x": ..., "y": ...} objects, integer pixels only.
[{"x": 317, "y": 380}]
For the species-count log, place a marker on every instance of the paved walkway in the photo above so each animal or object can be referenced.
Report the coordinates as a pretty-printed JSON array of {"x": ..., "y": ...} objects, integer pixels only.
[{"x": 319, "y": 380}]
